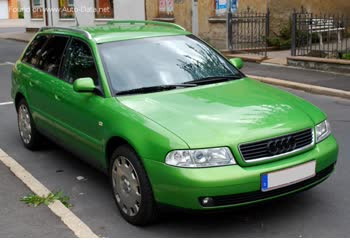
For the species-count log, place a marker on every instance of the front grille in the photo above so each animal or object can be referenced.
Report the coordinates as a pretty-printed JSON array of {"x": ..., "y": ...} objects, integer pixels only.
[
  {"x": 259, "y": 195},
  {"x": 275, "y": 147}
]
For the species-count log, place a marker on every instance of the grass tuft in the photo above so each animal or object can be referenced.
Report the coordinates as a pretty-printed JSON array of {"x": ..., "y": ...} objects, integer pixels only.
[{"x": 35, "y": 200}]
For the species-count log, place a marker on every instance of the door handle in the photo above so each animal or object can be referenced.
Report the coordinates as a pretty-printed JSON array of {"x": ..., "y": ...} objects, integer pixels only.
[
  {"x": 31, "y": 83},
  {"x": 58, "y": 98}
]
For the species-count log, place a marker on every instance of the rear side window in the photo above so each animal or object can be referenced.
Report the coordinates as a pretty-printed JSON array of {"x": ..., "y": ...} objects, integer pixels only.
[
  {"x": 79, "y": 63},
  {"x": 31, "y": 56},
  {"x": 51, "y": 54},
  {"x": 45, "y": 53}
]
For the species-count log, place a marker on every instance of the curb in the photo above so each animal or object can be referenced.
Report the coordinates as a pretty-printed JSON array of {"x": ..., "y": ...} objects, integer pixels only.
[
  {"x": 77, "y": 226},
  {"x": 305, "y": 87},
  {"x": 17, "y": 39}
]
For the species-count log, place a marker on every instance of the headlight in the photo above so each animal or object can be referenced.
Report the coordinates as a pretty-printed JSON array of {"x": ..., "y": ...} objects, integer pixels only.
[
  {"x": 323, "y": 130},
  {"x": 199, "y": 158}
]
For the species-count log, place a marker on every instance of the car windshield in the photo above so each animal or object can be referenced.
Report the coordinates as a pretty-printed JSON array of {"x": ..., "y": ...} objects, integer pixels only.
[{"x": 162, "y": 61}]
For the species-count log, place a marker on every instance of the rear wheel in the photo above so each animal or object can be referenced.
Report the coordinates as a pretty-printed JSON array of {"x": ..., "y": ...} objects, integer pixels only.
[
  {"x": 131, "y": 188},
  {"x": 30, "y": 137}
]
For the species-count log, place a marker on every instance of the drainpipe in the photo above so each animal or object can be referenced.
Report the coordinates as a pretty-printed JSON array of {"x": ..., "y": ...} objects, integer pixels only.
[
  {"x": 45, "y": 12},
  {"x": 229, "y": 25},
  {"x": 51, "y": 13}
]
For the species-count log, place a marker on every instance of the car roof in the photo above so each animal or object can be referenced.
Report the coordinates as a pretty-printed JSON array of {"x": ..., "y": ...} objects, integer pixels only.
[{"x": 121, "y": 30}]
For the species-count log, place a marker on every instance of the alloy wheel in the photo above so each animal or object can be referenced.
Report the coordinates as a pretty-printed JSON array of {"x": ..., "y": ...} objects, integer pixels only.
[{"x": 24, "y": 124}]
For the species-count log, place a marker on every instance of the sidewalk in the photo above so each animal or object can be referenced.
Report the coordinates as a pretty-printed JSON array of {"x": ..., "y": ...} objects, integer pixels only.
[
  {"x": 12, "y": 23},
  {"x": 316, "y": 78},
  {"x": 21, "y": 221},
  {"x": 21, "y": 36}
]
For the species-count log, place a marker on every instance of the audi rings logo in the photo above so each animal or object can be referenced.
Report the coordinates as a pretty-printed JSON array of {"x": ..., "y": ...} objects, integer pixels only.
[{"x": 281, "y": 145}]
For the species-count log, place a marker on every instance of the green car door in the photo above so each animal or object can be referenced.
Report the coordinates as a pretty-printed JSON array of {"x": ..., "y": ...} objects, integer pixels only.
[{"x": 79, "y": 120}]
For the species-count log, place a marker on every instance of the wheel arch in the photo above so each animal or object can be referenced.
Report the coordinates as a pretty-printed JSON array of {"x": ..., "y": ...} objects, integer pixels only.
[
  {"x": 113, "y": 143},
  {"x": 18, "y": 98}
]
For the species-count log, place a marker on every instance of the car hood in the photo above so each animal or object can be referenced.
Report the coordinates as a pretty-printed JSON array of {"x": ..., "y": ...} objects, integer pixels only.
[{"x": 227, "y": 113}]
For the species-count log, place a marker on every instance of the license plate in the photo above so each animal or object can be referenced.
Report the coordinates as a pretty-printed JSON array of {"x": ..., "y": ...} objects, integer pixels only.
[{"x": 289, "y": 176}]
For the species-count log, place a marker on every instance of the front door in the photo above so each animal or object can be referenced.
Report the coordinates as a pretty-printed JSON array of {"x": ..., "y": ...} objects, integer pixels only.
[
  {"x": 79, "y": 115},
  {"x": 195, "y": 17}
]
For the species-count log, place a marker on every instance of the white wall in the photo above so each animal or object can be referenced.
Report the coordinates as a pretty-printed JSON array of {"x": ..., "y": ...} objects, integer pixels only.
[
  {"x": 4, "y": 9},
  {"x": 129, "y": 9},
  {"x": 123, "y": 9}
]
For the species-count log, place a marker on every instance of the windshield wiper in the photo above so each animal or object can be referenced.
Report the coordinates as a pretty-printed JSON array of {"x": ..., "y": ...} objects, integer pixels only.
[
  {"x": 156, "y": 88},
  {"x": 214, "y": 79}
]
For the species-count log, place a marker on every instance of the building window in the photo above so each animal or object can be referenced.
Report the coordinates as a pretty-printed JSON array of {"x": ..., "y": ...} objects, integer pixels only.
[
  {"x": 36, "y": 9},
  {"x": 166, "y": 8},
  {"x": 36, "y": 3},
  {"x": 221, "y": 7},
  {"x": 104, "y": 9},
  {"x": 66, "y": 8}
]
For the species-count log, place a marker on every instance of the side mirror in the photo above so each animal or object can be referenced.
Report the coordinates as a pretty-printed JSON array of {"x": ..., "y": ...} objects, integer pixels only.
[
  {"x": 84, "y": 85},
  {"x": 237, "y": 62}
]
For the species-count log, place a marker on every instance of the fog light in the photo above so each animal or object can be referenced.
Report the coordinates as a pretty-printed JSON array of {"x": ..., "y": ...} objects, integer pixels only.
[{"x": 207, "y": 201}]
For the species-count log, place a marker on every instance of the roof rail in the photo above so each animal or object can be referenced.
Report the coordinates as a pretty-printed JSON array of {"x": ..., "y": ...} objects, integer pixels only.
[
  {"x": 132, "y": 22},
  {"x": 75, "y": 30}
]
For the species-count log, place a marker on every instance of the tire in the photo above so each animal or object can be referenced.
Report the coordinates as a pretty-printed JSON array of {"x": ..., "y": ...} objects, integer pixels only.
[
  {"x": 30, "y": 136},
  {"x": 131, "y": 188}
]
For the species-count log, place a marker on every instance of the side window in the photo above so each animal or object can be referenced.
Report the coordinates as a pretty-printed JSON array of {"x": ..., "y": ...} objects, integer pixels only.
[
  {"x": 79, "y": 63},
  {"x": 51, "y": 54},
  {"x": 31, "y": 56}
]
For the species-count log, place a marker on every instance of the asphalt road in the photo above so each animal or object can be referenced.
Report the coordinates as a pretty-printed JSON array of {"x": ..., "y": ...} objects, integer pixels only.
[{"x": 320, "y": 212}]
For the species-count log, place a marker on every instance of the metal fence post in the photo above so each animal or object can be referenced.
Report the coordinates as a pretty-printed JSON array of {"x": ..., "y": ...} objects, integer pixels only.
[
  {"x": 229, "y": 30},
  {"x": 294, "y": 33},
  {"x": 267, "y": 29}
]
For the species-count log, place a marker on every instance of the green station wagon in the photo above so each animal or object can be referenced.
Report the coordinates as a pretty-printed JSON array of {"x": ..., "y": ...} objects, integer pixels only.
[{"x": 168, "y": 118}]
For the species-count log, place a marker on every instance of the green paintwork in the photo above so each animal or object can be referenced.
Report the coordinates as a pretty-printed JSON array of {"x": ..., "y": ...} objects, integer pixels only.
[
  {"x": 237, "y": 62},
  {"x": 222, "y": 114},
  {"x": 84, "y": 85}
]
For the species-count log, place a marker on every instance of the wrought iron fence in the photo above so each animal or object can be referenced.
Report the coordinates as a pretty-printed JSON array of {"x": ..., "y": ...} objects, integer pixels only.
[
  {"x": 320, "y": 35},
  {"x": 247, "y": 32}
]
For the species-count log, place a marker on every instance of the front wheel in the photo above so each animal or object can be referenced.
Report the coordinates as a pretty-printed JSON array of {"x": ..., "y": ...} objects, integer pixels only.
[
  {"x": 30, "y": 137},
  {"x": 131, "y": 188}
]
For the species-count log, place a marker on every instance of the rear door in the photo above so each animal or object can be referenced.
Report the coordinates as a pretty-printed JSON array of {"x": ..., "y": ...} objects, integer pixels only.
[{"x": 40, "y": 68}]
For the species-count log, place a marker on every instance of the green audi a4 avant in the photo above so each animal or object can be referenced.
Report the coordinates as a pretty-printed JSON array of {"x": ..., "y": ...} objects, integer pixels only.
[{"x": 168, "y": 118}]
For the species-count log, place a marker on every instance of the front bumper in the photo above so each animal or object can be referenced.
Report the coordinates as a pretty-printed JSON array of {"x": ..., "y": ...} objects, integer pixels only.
[{"x": 233, "y": 185}]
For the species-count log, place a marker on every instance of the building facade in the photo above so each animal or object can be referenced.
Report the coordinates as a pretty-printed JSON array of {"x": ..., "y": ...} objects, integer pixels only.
[
  {"x": 206, "y": 18},
  {"x": 39, "y": 13},
  {"x": 8, "y": 9}
]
